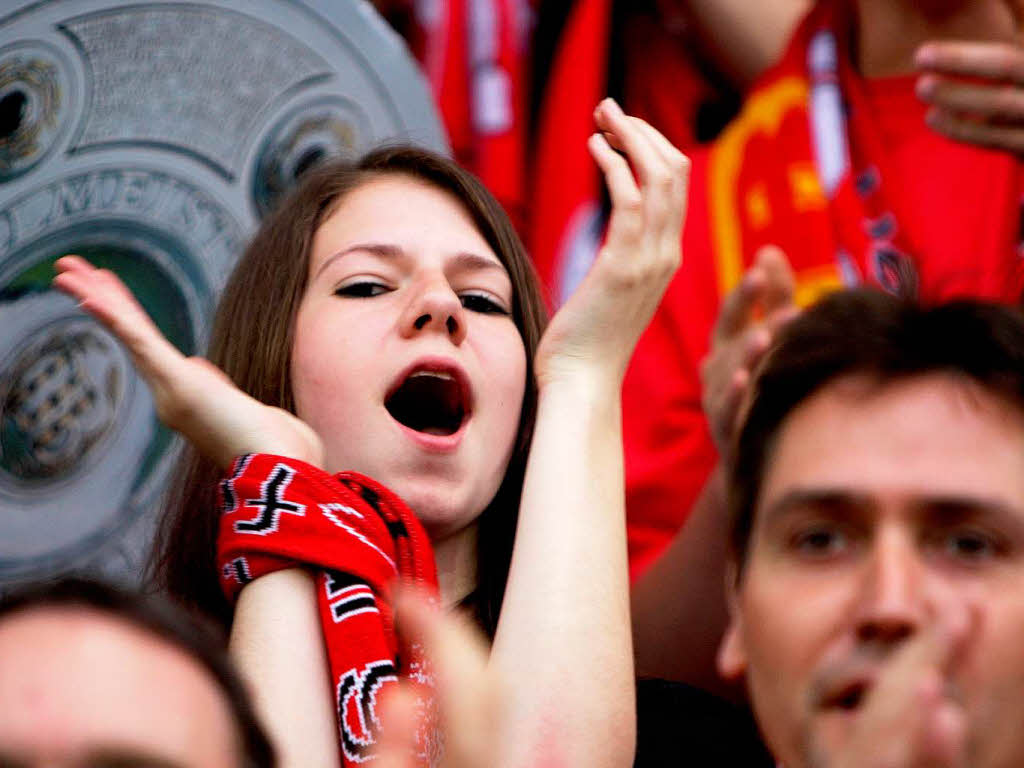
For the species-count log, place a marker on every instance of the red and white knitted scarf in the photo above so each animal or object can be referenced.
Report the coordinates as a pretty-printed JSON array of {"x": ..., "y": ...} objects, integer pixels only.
[{"x": 358, "y": 537}]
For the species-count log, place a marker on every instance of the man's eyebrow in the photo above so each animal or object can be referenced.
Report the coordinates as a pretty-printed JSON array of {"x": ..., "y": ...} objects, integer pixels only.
[
  {"x": 463, "y": 260},
  {"x": 833, "y": 500},
  {"x": 128, "y": 757},
  {"x": 104, "y": 757},
  {"x": 953, "y": 508}
]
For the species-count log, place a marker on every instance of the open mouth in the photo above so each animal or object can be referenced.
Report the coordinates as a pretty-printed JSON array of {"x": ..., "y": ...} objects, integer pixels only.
[
  {"x": 433, "y": 402},
  {"x": 848, "y": 698}
]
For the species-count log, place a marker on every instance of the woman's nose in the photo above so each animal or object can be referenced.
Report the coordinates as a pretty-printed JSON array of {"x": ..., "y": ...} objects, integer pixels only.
[{"x": 434, "y": 306}]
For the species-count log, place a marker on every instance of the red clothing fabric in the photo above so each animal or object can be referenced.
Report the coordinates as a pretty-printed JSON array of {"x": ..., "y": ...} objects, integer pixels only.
[
  {"x": 845, "y": 177},
  {"x": 565, "y": 209},
  {"x": 666, "y": 84},
  {"x": 357, "y": 537},
  {"x": 473, "y": 53}
]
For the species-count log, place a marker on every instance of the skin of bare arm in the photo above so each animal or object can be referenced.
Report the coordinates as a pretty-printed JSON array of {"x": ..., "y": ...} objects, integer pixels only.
[
  {"x": 564, "y": 624},
  {"x": 745, "y": 38},
  {"x": 277, "y": 644}
]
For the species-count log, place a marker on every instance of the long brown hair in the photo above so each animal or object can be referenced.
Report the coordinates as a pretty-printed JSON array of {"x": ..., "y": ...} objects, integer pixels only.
[{"x": 251, "y": 342}]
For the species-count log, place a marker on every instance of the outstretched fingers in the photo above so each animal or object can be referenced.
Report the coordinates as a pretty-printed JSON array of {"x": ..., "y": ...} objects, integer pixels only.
[{"x": 102, "y": 294}]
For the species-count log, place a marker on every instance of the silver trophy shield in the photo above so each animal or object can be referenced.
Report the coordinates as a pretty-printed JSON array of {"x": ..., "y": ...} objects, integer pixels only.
[{"x": 150, "y": 137}]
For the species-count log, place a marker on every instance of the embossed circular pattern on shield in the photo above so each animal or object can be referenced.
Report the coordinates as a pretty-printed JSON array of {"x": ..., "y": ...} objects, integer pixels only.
[
  {"x": 306, "y": 136},
  {"x": 61, "y": 398},
  {"x": 32, "y": 99}
]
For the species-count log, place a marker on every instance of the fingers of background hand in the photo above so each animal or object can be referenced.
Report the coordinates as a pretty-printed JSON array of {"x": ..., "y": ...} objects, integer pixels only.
[
  {"x": 924, "y": 658},
  {"x": 959, "y": 128},
  {"x": 943, "y": 734},
  {"x": 467, "y": 698},
  {"x": 779, "y": 280},
  {"x": 737, "y": 310},
  {"x": 396, "y": 747},
  {"x": 994, "y": 61},
  {"x": 723, "y": 408},
  {"x": 1002, "y": 103}
]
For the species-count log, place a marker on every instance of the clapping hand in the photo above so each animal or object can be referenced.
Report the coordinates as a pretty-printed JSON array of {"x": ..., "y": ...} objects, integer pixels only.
[
  {"x": 598, "y": 327},
  {"x": 192, "y": 396},
  {"x": 750, "y": 317},
  {"x": 911, "y": 717}
]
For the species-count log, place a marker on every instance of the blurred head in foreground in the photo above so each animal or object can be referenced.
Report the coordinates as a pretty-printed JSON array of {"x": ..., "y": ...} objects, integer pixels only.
[
  {"x": 878, "y": 506},
  {"x": 92, "y": 676}
]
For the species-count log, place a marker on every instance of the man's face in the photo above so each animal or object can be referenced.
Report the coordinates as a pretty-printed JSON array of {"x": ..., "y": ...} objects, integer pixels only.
[
  {"x": 883, "y": 508},
  {"x": 80, "y": 689}
]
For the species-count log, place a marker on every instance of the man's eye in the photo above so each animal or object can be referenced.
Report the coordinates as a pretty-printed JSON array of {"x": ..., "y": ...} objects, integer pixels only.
[
  {"x": 477, "y": 302},
  {"x": 819, "y": 541},
  {"x": 362, "y": 290},
  {"x": 970, "y": 545}
]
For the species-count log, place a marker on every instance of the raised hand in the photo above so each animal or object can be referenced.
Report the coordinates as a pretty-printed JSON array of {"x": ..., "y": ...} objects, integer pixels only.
[
  {"x": 747, "y": 323},
  {"x": 192, "y": 396},
  {"x": 599, "y": 325},
  {"x": 976, "y": 88},
  {"x": 467, "y": 693},
  {"x": 910, "y": 717}
]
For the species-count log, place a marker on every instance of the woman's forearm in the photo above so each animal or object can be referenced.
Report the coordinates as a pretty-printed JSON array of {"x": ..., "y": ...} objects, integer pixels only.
[
  {"x": 563, "y": 639},
  {"x": 276, "y": 643}
]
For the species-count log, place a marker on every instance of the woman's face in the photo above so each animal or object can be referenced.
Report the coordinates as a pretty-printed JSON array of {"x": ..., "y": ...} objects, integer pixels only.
[{"x": 406, "y": 360}]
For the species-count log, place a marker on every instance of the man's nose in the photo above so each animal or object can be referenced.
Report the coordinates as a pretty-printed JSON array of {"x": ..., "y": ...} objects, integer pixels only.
[
  {"x": 892, "y": 593},
  {"x": 434, "y": 306}
]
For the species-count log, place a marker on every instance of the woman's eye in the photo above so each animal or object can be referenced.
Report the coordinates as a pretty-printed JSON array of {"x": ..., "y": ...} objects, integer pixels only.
[
  {"x": 476, "y": 302},
  {"x": 361, "y": 290}
]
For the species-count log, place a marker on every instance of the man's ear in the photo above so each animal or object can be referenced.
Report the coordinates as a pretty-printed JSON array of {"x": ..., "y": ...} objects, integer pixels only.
[{"x": 732, "y": 652}]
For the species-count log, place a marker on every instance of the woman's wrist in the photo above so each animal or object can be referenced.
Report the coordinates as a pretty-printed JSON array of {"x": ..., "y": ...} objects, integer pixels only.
[{"x": 580, "y": 388}]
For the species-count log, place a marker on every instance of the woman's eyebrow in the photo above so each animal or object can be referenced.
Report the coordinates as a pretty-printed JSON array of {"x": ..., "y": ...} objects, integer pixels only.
[
  {"x": 384, "y": 250},
  {"x": 474, "y": 261},
  {"x": 464, "y": 260}
]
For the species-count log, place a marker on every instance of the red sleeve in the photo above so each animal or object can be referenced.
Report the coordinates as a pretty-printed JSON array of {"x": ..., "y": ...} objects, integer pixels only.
[{"x": 668, "y": 449}]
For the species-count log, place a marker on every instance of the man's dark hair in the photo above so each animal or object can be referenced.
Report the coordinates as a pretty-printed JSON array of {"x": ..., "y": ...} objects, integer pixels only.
[
  {"x": 158, "y": 617},
  {"x": 871, "y": 333}
]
